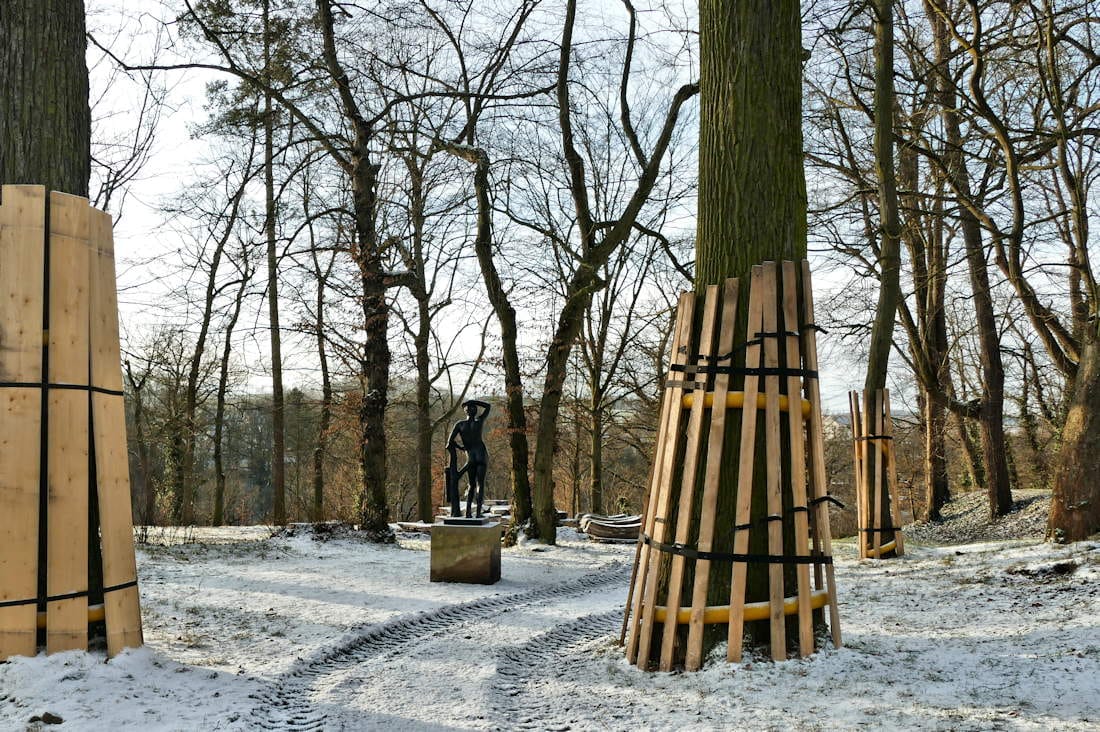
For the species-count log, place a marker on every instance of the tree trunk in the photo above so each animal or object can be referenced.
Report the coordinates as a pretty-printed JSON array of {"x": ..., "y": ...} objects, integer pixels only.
[
  {"x": 45, "y": 122},
  {"x": 219, "y": 409},
  {"x": 326, "y": 398},
  {"x": 882, "y": 331},
  {"x": 752, "y": 204},
  {"x": 752, "y": 191},
  {"x": 509, "y": 334},
  {"x": 1075, "y": 509},
  {"x": 595, "y": 456},
  {"x": 278, "y": 413}
]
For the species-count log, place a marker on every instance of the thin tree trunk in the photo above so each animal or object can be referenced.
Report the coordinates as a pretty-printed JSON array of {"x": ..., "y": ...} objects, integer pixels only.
[
  {"x": 45, "y": 122},
  {"x": 278, "y": 413},
  {"x": 219, "y": 408},
  {"x": 147, "y": 508},
  {"x": 595, "y": 457},
  {"x": 325, "y": 420}
]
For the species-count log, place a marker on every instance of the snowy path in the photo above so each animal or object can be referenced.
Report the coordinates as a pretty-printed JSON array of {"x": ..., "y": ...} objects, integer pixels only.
[{"x": 430, "y": 656}]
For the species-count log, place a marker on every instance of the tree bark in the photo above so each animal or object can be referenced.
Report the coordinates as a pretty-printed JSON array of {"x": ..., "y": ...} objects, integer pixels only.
[
  {"x": 1075, "y": 510},
  {"x": 278, "y": 411},
  {"x": 45, "y": 122},
  {"x": 752, "y": 205}
]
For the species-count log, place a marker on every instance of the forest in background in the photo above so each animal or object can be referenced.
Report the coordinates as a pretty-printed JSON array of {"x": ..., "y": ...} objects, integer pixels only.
[{"x": 393, "y": 198}]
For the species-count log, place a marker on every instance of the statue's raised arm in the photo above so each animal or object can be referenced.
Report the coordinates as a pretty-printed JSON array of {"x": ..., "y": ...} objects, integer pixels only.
[{"x": 484, "y": 406}]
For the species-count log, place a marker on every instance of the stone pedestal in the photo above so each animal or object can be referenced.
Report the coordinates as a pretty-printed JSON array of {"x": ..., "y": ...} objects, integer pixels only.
[{"x": 466, "y": 553}]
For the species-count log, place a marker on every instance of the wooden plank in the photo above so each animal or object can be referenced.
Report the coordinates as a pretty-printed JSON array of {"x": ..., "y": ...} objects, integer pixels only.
[
  {"x": 637, "y": 550},
  {"x": 892, "y": 474},
  {"x": 664, "y": 477},
  {"x": 879, "y": 466},
  {"x": 746, "y": 460},
  {"x": 122, "y": 608},
  {"x": 817, "y": 446},
  {"x": 712, "y": 478},
  {"x": 20, "y": 434},
  {"x": 798, "y": 458},
  {"x": 67, "y": 430},
  {"x": 857, "y": 469},
  {"x": 643, "y": 553},
  {"x": 692, "y": 446},
  {"x": 642, "y": 626},
  {"x": 773, "y": 459},
  {"x": 22, "y": 234}
]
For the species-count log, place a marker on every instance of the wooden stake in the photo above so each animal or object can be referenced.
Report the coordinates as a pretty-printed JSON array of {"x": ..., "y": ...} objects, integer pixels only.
[
  {"x": 798, "y": 459},
  {"x": 120, "y": 601},
  {"x": 858, "y": 471},
  {"x": 774, "y": 466},
  {"x": 67, "y": 441},
  {"x": 892, "y": 475},
  {"x": 687, "y": 479},
  {"x": 22, "y": 232},
  {"x": 746, "y": 458},
  {"x": 663, "y": 478},
  {"x": 879, "y": 466},
  {"x": 817, "y": 445},
  {"x": 712, "y": 477}
]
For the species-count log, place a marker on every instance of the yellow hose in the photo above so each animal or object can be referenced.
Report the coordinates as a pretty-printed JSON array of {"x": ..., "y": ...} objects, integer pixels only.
[
  {"x": 717, "y": 614},
  {"x": 736, "y": 400},
  {"x": 95, "y": 614},
  {"x": 887, "y": 547}
]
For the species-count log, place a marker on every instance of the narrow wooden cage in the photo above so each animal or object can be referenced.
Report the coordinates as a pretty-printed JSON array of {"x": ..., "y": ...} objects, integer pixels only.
[
  {"x": 64, "y": 475},
  {"x": 750, "y": 410},
  {"x": 878, "y": 528}
]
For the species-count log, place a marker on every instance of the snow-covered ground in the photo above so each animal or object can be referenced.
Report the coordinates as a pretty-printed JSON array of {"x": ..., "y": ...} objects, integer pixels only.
[{"x": 245, "y": 631}]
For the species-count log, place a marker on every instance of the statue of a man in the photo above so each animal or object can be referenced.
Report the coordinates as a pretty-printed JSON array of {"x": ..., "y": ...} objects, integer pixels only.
[{"x": 468, "y": 431}]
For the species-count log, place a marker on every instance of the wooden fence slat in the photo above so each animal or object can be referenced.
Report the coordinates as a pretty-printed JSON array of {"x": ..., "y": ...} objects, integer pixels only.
[
  {"x": 892, "y": 474},
  {"x": 797, "y": 458},
  {"x": 67, "y": 429},
  {"x": 712, "y": 475},
  {"x": 774, "y": 467},
  {"x": 817, "y": 446},
  {"x": 664, "y": 478},
  {"x": 122, "y": 608},
  {"x": 643, "y": 558},
  {"x": 746, "y": 461},
  {"x": 690, "y": 462},
  {"x": 879, "y": 466},
  {"x": 857, "y": 470},
  {"x": 22, "y": 233}
]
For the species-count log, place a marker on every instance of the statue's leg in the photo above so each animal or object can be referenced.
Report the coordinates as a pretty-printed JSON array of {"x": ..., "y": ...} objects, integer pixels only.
[
  {"x": 480, "y": 487},
  {"x": 470, "y": 489}
]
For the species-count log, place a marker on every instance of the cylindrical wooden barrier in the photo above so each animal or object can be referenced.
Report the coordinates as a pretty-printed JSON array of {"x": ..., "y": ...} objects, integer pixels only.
[
  {"x": 781, "y": 499},
  {"x": 63, "y": 457},
  {"x": 877, "y": 523}
]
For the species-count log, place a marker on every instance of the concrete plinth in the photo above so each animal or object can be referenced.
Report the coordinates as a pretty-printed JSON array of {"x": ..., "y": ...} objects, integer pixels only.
[{"x": 466, "y": 553}]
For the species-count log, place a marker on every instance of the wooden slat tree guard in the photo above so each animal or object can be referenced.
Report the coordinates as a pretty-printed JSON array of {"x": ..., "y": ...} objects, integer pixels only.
[
  {"x": 62, "y": 428},
  {"x": 876, "y": 477},
  {"x": 775, "y": 400}
]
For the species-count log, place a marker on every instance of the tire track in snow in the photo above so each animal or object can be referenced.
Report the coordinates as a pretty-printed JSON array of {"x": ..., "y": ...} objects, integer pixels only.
[
  {"x": 518, "y": 695},
  {"x": 287, "y": 704}
]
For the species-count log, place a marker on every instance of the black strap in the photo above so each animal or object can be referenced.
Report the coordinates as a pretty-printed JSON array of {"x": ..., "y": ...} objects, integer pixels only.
[
  {"x": 50, "y": 385},
  {"x": 830, "y": 499},
  {"x": 875, "y": 437},
  {"x": 68, "y": 596},
  {"x": 712, "y": 369},
  {"x": 692, "y": 553}
]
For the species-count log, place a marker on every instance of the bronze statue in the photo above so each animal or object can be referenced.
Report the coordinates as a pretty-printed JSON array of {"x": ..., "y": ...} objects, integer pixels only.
[{"x": 477, "y": 458}]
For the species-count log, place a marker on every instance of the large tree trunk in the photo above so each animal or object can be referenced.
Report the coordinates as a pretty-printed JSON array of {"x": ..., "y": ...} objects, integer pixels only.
[
  {"x": 1075, "y": 510},
  {"x": 45, "y": 122},
  {"x": 752, "y": 202}
]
